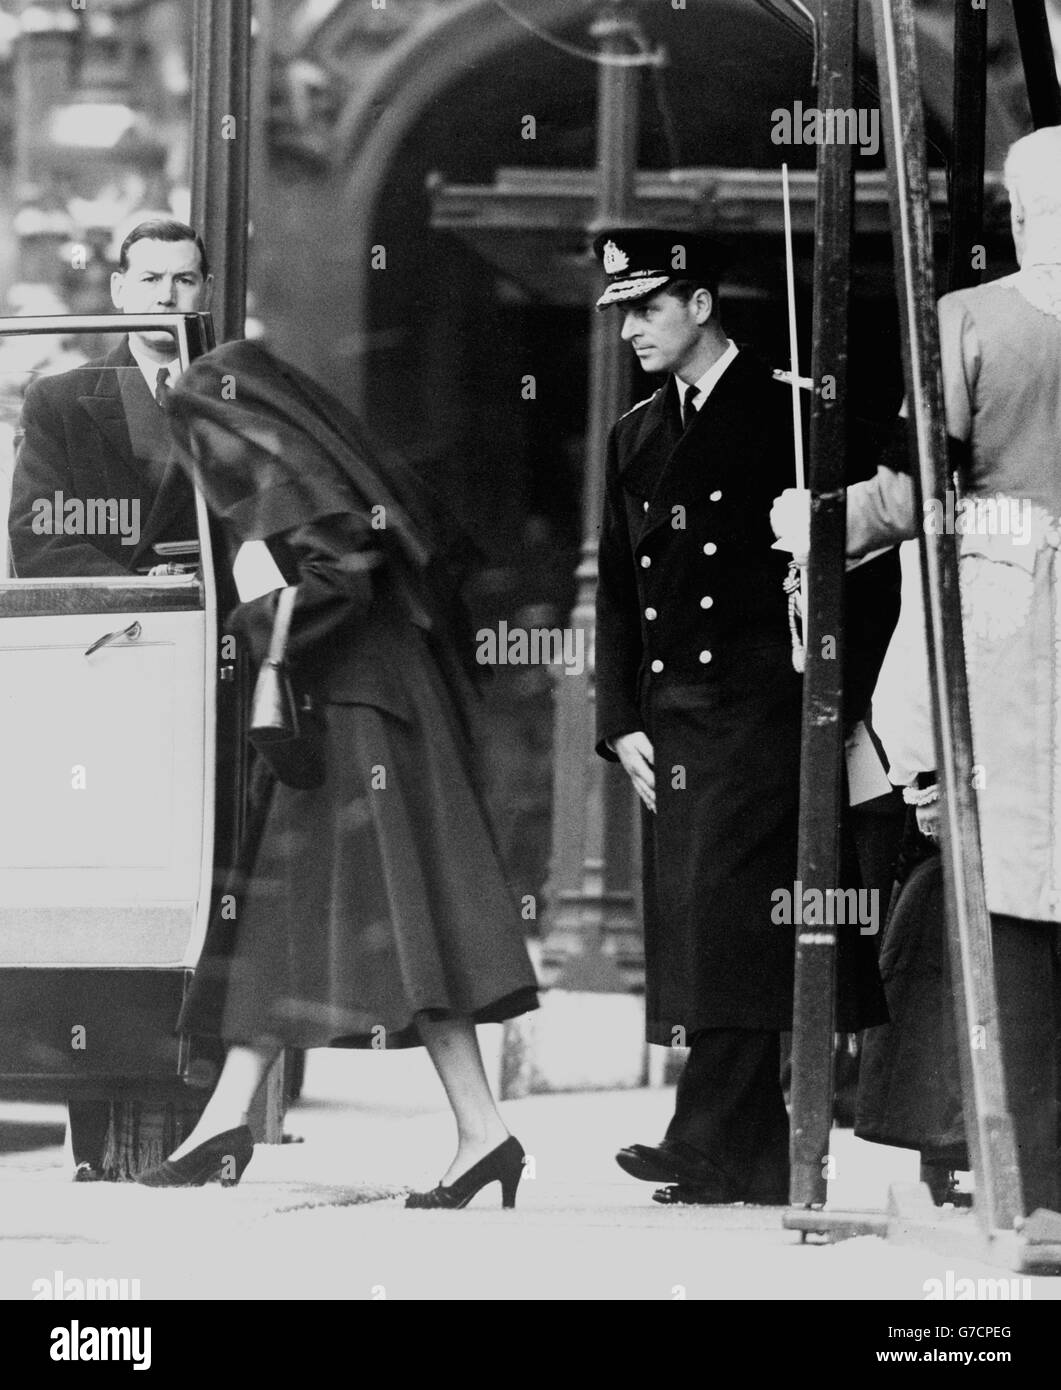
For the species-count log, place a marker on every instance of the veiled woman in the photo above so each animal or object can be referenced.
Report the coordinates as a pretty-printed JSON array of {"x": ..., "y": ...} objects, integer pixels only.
[{"x": 373, "y": 908}]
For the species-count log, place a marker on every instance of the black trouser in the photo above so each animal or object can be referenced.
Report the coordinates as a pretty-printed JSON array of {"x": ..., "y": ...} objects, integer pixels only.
[
  {"x": 729, "y": 1105},
  {"x": 89, "y": 1122},
  {"x": 1028, "y": 981},
  {"x": 877, "y": 828}
]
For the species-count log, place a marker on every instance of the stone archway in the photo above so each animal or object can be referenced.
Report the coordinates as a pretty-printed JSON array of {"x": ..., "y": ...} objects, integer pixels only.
[
  {"x": 406, "y": 60},
  {"x": 447, "y": 41}
]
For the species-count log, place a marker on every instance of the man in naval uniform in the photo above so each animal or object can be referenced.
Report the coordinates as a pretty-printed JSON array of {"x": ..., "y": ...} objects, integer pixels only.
[{"x": 698, "y": 699}]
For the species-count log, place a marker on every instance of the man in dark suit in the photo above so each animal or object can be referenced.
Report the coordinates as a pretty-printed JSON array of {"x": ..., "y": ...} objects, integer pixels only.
[
  {"x": 95, "y": 488},
  {"x": 698, "y": 699}
]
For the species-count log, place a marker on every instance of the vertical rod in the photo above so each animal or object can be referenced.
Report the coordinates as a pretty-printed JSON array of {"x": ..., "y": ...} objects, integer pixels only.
[
  {"x": 617, "y": 137},
  {"x": 1037, "y": 55},
  {"x": 220, "y": 152},
  {"x": 590, "y": 874},
  {"x": 988, "y": 1125},
  {"x": 822, "y": 746},
  {"x": 966, "y": 194}
]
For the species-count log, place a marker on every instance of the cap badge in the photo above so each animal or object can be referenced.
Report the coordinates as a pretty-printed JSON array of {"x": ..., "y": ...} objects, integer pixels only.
[{"x": 614, "y": 259}]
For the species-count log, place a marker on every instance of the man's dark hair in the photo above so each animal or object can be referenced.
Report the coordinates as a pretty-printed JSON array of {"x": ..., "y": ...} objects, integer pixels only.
[
  {"x": 163, "y": 229},
  {"x": 685, "y": 289}
]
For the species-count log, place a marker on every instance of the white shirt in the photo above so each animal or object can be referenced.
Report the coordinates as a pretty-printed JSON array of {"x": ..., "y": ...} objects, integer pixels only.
[
  {"x": 149, "y": 368},
  {"x": 710, "y": 378}
]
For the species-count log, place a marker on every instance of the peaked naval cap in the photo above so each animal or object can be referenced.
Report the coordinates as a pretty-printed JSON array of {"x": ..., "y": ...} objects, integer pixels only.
[{"x": 641, "y": 260}]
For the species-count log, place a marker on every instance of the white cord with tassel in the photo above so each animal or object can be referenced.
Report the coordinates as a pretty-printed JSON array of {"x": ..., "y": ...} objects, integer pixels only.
[{"x": 796, "y": 582}]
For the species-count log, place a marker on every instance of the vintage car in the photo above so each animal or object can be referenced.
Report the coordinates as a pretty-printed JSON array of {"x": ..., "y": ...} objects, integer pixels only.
[{"x": 121, "y": 759}]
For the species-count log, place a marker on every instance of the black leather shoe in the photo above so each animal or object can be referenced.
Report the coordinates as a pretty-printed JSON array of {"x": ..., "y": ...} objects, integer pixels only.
[
  {"x": 503, "y": 1165},
  {"x": 224, "y": 1156},
  {"x": 671, "y": 1160},
  {"x": 87, "y": 1172},
  {"x": 684, "y": 1194}
]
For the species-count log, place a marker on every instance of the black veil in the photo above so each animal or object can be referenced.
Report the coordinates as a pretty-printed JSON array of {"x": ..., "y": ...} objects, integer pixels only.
[{"x": 273, "y": 450}]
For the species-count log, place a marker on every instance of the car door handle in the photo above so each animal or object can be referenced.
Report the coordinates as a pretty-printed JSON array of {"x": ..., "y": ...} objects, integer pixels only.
[{"x": 132, "y": 632}]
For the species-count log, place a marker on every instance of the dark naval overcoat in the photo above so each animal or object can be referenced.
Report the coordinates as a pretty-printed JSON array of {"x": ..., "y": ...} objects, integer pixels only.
[{"x": 693, "y": 647}]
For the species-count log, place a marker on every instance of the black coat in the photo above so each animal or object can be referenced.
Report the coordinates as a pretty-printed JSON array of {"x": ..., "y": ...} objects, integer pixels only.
[
  {"x": 693, "y": 646},
  {"x": 380, "y": 894},
  {"x": 909, "y": 1087},
  {"x": 96, "y": 433}
]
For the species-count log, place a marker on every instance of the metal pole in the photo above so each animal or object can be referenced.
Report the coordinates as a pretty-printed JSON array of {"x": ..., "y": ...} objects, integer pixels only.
[
  {"x": 221, "y": 155},
  {"x": 988, "y": 1125},
  {"x": 590, "y": 882},
  {"x": 1037, "y": 55},
  {"x": 617, "y": 136},
  {"x": 966, "y": 196},
  {"x": 822, "y": 747},
  {"x": 220, "y": 152}
]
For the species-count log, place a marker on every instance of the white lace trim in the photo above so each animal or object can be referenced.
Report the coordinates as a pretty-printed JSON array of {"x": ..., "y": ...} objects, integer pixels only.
[
  {"x": 998, "y": 561},
  {"x": 996, "y": 598}
]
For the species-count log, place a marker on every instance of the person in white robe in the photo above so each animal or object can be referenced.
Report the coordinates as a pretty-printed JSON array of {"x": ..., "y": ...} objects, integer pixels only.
[{"x": 1000, "y": 346}]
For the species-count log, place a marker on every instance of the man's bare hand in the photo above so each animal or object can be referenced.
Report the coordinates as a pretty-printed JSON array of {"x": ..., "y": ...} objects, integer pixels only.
[
  {"x": 635, "y": 753},
  {"x": 928, "y": 820}
]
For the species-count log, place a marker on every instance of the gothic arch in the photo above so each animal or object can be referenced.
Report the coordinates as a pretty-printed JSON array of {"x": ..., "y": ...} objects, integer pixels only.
[
  {"x": 448, "y": 40},
  {"x": 441, "y": 47}
]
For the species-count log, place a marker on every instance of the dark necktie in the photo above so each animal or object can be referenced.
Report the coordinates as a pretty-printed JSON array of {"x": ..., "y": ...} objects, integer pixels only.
[
  {"x": 689, "y": 409},
  {"x": 161, "y": 389}
]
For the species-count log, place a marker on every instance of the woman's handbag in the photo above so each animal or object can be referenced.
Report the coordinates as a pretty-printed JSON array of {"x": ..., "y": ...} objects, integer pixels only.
[{"x": 287, "y": 730}]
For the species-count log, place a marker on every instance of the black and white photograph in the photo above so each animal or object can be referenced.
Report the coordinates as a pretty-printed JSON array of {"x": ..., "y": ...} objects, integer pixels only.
[{"x": 530, "y": 667}]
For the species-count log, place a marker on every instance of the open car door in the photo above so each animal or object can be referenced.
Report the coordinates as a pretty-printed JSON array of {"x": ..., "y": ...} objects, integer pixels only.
[{"x": 113, "y": 813}]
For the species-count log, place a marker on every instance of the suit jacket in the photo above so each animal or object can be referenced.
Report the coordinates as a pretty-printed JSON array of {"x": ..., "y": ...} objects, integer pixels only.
[
  {"x": 688, "y": 583},
  {"x": 95, "y": 433}
]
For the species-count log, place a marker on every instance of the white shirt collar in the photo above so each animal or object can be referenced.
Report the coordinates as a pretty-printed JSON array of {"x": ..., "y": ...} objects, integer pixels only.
[
  {"x": 149, "y": 368},
  {"x": 710, "y": 378}
]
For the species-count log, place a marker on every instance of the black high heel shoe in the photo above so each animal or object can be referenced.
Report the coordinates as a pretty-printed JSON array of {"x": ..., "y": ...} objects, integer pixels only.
[
  {"x": 224, "y": 1156},
  {"x": 503, "y": 1164}
]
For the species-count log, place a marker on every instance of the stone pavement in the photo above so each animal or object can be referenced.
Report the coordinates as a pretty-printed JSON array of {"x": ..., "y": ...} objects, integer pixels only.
[{"x": 323, "y": 1219}]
